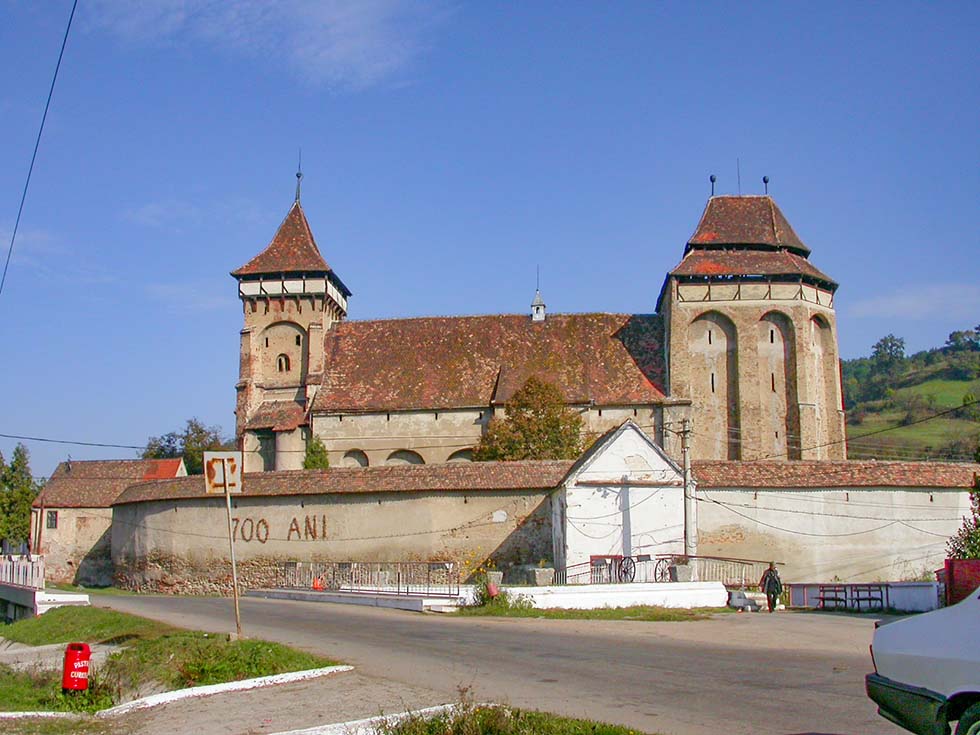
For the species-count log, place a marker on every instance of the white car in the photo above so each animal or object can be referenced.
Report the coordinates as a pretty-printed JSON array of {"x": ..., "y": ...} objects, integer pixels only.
[{"x": 927, "y": 670}]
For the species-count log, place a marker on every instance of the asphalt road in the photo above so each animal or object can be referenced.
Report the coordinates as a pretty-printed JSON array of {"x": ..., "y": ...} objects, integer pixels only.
[{"x": 786, "y": 674}]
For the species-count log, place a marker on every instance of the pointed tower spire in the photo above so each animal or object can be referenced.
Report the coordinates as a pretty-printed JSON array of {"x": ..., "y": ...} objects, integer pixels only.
[{"x": 537, "y": 306}]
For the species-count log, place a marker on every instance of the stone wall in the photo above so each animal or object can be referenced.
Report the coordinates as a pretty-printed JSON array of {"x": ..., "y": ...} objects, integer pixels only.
[
  {"x": 78, "y": 550},
  {"x": 181, "y": 545}
]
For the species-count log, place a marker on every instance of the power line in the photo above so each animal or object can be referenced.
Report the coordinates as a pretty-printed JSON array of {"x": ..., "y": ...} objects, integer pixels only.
[
  {"x": 68, "y": 441},
  {"x": 37, "y": 144}
]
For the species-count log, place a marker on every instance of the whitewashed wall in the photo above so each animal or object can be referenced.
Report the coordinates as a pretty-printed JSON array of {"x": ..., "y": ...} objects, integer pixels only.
[
  {"x": 848, "y": 534},
  {"x": 625, "y": 499}
]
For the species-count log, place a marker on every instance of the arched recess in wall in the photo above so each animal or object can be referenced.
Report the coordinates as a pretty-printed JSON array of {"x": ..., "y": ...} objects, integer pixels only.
[
  {"x": 354, "y": 458},
  {"x": 404, "y": 456},
  {"x": 777, "y": 373},
  {"x": 282, "y": 354},
  {"x": 825, "y": 377},
  {"x": 461, "y": 455},
  {"x": 713, "y": 348}
]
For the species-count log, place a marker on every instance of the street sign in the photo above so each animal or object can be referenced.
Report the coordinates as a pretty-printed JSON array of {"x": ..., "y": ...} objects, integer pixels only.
[{"x": 223, "y": 472}]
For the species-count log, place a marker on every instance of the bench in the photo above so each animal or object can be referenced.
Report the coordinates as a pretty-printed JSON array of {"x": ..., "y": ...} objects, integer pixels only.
[
  {"x": 875, "y": 595},
  {"x": 832, "y": 597}
]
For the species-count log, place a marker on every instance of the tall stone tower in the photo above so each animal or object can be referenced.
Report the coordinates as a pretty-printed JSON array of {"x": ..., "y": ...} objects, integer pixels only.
[
  {"x": 290, "y": 296},
  {"x": 752, "y": 338}
]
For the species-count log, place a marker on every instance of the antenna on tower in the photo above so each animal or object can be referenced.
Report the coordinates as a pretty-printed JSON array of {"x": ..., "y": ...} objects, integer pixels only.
[
  {"x": 738, "y": 175},
  {"x": 537, "y": 278},
  {"x": 299, "y": 174},
  {"x": 712, "y": 179},
  {"x": 765, "y": 181}
]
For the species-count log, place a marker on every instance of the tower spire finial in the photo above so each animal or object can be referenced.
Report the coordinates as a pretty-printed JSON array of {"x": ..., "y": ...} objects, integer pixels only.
[{"x": 299, "y": 175}]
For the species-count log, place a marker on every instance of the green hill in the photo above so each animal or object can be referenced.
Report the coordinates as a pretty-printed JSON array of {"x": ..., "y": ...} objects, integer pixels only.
[{"x": 912, "y": 407}]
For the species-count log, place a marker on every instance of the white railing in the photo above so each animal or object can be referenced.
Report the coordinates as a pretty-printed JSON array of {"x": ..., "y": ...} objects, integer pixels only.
[{"x": 23, "y": 571}]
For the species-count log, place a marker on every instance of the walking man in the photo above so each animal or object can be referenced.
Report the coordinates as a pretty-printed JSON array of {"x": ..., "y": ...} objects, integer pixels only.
[{"x": 772, "y": 585}]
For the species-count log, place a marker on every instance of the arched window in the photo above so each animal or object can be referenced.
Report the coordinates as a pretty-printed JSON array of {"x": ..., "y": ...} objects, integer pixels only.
[
  {"x": 462, "y": 455},
  {"x": 404, "y": 456},
  {"x": 282, "y": 363},
  {"x": 354, "y": 458}
]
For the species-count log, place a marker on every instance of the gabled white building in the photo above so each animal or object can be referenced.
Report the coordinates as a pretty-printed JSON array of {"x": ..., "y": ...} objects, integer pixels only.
[{"x": 622, "y": 498}]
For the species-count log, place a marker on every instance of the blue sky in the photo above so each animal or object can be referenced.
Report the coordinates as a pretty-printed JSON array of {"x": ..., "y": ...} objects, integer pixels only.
[{"x": 449, "y": 149}]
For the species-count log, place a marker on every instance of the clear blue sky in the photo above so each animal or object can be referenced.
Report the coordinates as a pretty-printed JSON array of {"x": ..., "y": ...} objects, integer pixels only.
[{"x": 449, "y": 148}]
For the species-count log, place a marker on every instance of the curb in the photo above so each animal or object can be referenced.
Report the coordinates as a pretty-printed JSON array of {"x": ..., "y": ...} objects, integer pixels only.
[
  {"x": 155, "y": 700},
  {"x": 369, "y": 725}
]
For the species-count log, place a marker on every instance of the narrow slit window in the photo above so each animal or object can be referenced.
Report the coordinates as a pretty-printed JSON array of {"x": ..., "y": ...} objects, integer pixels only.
[
  {"x": 772, "y": 377},
  {"x": 772, "y": 336},
  {"x": 712, "y": 382},
  {"x": 266, "y": 341},
  {"x": 299, "y": 341},
  {"x": 709, "y": 336}
]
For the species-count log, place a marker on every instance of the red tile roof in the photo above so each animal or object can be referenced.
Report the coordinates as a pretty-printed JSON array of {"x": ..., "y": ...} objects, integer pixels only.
[
  {"x": 747, "y": 263},
  {"x": 292, "y": 250},
  {"x": 825, "y": 474},
  {"x": 446, "y": 362},
  {"x": 465, "y": 476},
  {"x": 97, "y": 483},
  {"x": 278, "y": 416},
  {"x": 745, "y": 220}
]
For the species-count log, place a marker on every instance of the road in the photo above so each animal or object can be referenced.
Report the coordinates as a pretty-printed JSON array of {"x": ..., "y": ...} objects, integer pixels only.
[{"x": 785, "y": 674}]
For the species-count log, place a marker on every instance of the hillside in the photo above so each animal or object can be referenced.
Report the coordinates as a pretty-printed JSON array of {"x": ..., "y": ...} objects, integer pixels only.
[{"x": 891, "y": 400}]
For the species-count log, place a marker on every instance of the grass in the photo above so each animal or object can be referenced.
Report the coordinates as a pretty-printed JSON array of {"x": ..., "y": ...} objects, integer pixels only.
[
  {"x": 155, "y": 655},
  {"x": 88, "y": 624},
  {"x": 947, "y": 393},
  {"x": 904, "y": 441},
  {"x": 646, "y": 613},
  {"x": 61, "y": 587},
  {"x": 495, "y": 720},
  {"x": 73, "y": 726}
]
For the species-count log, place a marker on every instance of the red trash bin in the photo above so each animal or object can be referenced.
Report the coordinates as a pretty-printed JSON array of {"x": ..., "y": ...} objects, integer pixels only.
[{"x": 74, "y": 675}]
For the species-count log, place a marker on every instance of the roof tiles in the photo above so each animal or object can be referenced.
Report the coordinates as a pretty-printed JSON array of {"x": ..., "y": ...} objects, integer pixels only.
[
  {"x": 292, "y": 250},
  {"x": 807, "y": 474},
  {"x": 745, "y": 220},
  {"x": 97, "y": 483},
  {"x": 710, "y": 263},
  {"x": 453, "y": 362}
]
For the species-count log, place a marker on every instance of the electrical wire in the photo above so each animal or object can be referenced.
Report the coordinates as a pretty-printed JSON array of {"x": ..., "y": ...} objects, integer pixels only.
[{"x": 37, "y": 144}]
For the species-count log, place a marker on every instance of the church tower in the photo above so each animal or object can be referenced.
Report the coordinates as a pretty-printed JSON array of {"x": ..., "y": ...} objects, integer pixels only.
[
  {"x": 290, "y": 296},
  {"x": 751, "y": 337}
]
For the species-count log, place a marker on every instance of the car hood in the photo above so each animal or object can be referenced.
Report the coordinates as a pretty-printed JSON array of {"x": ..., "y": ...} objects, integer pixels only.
[{"x": 939, "y": 650}]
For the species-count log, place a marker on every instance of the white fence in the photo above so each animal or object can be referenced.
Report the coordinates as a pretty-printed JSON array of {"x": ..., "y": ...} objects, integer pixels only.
[{"x": 23, "y": 571}]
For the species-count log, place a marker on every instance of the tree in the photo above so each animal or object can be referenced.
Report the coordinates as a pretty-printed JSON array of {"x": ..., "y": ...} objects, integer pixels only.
[
  {"x": 316, "y": 455},
  {"x": 967, "y": 340},
  {"x": 190, "y": 444},
  {"x": 965, "y": 544},
  {"x": 538, "y": 425},
  {"x": 888, "y": 354},
  {"x": 17, "y": 492}
]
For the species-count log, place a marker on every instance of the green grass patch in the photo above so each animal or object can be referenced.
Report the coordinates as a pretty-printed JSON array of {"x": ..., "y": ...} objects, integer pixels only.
[
  {"x": 60, "y": 587},
  {"x": 37, "y": 726},
  {"x": 154, "y": 655},
  {"x": 87, "y": 624},
  {"x": 495, "y": 720},
  {"x": 946, "y": 393},
  {"x": 646, "y": 613},
  {"x": 190, "y": 658}
]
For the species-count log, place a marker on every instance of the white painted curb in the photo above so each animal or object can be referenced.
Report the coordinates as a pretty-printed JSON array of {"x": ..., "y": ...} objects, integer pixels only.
[
  {"x": 40, "y": 715},
  {"x": 369, "y": 726},
  {"x": 231, "y": 686}
]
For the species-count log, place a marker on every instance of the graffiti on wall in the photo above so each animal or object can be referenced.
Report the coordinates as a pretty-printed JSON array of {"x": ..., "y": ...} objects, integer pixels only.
[{"x": 249, "y": 529}]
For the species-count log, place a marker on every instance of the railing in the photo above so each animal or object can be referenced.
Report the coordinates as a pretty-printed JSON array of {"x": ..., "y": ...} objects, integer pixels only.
[
  {"x": 23, "y": 571},
  {"x": 664, "y": 568},
  {"x": 429, "y": 579}
]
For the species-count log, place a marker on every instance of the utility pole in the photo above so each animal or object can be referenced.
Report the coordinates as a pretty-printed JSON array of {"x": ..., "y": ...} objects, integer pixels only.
[{"x": 690, "y": 509}]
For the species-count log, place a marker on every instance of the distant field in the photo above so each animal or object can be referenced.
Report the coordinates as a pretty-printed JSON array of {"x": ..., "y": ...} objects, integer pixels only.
[
  {"x": 947, "y": 393},
  {"x": 920, "y": 441}
]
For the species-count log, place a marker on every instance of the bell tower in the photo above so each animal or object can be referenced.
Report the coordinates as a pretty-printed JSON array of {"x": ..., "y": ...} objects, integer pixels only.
[
  {"x": 752, "y": 338},
  {"x": 289, "y": 297}
]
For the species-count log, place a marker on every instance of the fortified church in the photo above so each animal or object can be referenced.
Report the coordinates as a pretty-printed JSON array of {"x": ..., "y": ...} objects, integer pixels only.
[{"x": 743, "y": 345}]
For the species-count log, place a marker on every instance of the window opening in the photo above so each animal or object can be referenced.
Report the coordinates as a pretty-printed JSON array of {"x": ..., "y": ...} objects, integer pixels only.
[
  {"x": 772, "y": 336},
  {"x": 299, "y": 341},
  {"x": 772, "y": 377},
  {"x": 52, "y": 519},
  {"x": 282, "y": 362},
  {"x": 712, "y": 382},
  {"x": 709, "y": 336},
  {"x": 266, "y": 341}
]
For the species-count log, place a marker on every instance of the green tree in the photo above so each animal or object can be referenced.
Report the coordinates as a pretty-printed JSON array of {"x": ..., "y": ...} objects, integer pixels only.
[
  {"x": 965, "y": 544},
  {"x": 17, "y": 492},
  {"x": 316, "y": 455},
  {"x": 538, "y": 425},
  {"x": 888, "y": 354},
  {"x": 190, "y": 444}
]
